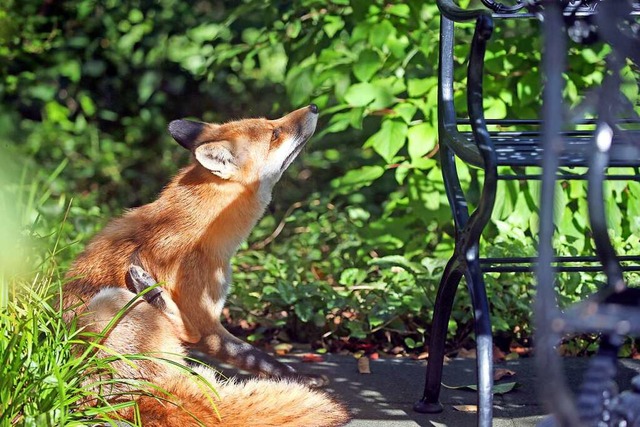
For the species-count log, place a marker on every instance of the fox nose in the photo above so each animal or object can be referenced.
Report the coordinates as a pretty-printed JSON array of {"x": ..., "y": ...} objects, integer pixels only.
[{"x": 313, "y": 108}]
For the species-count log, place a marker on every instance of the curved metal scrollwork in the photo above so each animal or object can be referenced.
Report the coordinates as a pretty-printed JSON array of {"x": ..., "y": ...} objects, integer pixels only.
[{"x": 498, "y": 7}]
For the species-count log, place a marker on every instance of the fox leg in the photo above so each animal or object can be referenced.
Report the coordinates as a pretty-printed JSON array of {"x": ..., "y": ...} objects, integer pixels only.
[
  {"x": 225, "y": 347},
  {"x": 138, "y": 280},
  {"x": 217, "y": 342}
]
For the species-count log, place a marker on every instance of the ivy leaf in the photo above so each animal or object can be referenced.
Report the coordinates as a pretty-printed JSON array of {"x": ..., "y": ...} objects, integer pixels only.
[
  {"x": 401, "y": 10},
  {"x": 332, "y": 24},
  {"x": 406, "y": 110},
  {"x": 357, "y": 178},
  {"x": 495, "y": 108},
  {"x": 421, "y": 140},
  {"x": 418, "y": 87},
  {"x": 369, "y": 62},
  {"x": 352, "y": 276},
  {"x": 380, "y": 33},
  {"x": 389, "y": 139},
  {"x": 299, "y": 86},
  {"x": 360, "y": 94}
]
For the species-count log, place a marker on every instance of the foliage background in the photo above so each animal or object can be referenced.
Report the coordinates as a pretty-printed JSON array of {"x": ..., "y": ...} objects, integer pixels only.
[{"x": 359, "y": 229}]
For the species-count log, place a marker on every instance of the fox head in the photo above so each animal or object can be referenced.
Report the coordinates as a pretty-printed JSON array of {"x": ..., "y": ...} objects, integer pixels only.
[{"x": 248, "y": 151}]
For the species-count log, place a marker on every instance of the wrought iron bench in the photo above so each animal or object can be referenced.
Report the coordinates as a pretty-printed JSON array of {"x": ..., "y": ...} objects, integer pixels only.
[{"x": 549, "y": 144}]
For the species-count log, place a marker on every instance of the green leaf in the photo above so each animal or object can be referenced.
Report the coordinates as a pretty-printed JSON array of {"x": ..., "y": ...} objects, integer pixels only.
[
  {"x": 205, "y": 32},
  {"x": 332, "y": 24},
  {"x": 269, "y": 289},
  {"x": 389, "y": 139},
  {"x": 147, "y": 85},
  {"x": 614, "y": 216},
  {"x": 360, "y": 94},
  {"x": 87, "y": 104},
  {"x": 383, "y": 97},
  {"x": 421, "y": 140},
  {"x": 352, "y": 276},
  {"x": 357, "y": 178},
  {"x": 71, "y": 70},
  {"x": 369, "y": 62},
  {"x": 410, "y": 342},
  {"x": 423, "y": 195},
  {"x": 401, "y": 10},
  {"x": 418, "y": 87},
  {"x": 398, "y": 261},
  {"x": 385, "y": 91},
  {"x": 497, "y": 388},
  {"x": 406, "y": 110},
  {"x": 495, "y": 108},
  {"x": 380, "y": 32},
  {"x": 299, "y": 86}
]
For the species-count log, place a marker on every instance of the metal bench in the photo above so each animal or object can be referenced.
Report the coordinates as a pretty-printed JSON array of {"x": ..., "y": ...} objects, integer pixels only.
[{"x": 550, "y": 144}]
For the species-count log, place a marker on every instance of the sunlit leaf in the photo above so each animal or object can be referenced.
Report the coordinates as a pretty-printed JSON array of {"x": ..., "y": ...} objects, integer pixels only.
[
  {"x": 389, "y": 139},
  {"x": 369, "y": 62}
]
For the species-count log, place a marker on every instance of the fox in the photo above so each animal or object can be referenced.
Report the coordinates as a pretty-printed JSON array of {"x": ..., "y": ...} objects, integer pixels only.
[{"x": 184, "y": 240}]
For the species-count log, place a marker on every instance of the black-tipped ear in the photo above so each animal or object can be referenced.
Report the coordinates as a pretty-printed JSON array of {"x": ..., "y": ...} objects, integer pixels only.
[{"x": 186, "y": 132}]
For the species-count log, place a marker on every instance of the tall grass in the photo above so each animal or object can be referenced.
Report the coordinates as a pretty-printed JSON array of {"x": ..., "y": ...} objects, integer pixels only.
[
  {"x": 45, "y": 364},
  {"x": 42, "y": 373}
]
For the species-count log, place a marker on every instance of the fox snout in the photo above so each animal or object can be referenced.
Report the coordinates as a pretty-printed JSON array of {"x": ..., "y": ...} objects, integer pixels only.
[{"x": 299, "y": 125}]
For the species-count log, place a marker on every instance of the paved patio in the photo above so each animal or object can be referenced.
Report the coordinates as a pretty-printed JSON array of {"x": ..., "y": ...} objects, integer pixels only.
[{"x": 385, "y": 397}]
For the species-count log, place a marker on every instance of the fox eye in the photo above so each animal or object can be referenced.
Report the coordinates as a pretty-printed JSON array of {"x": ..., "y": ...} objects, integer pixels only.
[{"x": 276, "y": 134}]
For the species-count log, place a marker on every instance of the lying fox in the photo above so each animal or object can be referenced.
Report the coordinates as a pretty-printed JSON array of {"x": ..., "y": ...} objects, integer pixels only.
[{"x": 185, "y": 240}]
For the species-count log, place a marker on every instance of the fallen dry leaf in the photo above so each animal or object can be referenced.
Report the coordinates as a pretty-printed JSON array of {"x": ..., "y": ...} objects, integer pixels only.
[
  {"x": 312, "y": 358},
  {"x": 498, "y": 354},
  {"x": 397, "y": 350},
  {"x": 422, "y": 356},
  {"x": 363, "y": 365},
  {"x": 374, "y": 356},
  {"x": 467, "y": 354},
  {"x": 500, "y": 373},
  {"x": 282, "y": 349},
  {"x": 466, "y": 408},
  {"x": 497, "y": 388},
  {"x": 512, "y": 356},
  {"x": 522, "y": 351}
]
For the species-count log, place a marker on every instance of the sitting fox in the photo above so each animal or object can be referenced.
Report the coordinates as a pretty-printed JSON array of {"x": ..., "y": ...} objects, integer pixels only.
[{"x": 185, "y": 240}]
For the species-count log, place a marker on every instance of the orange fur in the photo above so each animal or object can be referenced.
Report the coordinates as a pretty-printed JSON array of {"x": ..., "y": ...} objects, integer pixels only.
[{"x": 185, "y": 240}]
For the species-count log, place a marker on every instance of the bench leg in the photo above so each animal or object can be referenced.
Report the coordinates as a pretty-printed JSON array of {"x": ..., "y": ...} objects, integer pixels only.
[
  {"x": 430, "y": 403},
  {"x": 484, "y": 339}
]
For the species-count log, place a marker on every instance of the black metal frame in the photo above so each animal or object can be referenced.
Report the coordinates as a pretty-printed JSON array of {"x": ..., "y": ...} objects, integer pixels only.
[
  {"x": 614, "y": 311},
  {"x": 465, "y": 261},
  {"x": 552, "y": 148}
]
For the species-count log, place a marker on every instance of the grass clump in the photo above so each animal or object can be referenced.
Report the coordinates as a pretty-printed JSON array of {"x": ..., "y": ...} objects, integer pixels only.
[{"x": 43, "y": 375}]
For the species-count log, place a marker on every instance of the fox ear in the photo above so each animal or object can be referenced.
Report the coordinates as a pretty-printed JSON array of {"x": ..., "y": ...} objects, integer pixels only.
[
  {"x": 217, "y": 158},
  {"x": 186, "y": 132}
]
